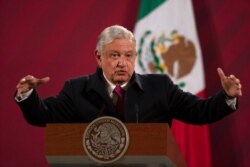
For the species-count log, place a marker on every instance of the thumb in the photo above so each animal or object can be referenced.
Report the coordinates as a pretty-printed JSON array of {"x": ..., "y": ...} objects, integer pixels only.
[
  {"x": 43, "y": 80},
  {"x": 221, "y": 74}
]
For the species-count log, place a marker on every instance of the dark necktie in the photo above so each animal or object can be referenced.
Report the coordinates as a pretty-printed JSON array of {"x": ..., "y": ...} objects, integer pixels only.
[{"x": 119, "y": 92}]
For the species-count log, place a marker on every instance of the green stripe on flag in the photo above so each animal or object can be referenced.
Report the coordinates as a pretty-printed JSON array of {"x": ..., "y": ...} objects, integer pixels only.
[{"x": 147, "y": 6}]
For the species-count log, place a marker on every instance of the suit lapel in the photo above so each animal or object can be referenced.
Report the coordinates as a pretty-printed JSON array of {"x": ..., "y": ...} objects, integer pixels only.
[
  {"x": 132, "y": 99},
  {"x": 97, "y": 90}
]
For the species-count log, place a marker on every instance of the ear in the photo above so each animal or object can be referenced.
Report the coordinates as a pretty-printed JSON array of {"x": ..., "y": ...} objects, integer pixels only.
[{"x": 98, "y": 58}]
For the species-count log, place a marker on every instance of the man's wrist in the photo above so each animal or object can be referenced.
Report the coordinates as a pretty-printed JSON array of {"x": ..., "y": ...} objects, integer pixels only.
[
  {"x": 227, "y": 96},
  {"x": 23, "y": 96}
]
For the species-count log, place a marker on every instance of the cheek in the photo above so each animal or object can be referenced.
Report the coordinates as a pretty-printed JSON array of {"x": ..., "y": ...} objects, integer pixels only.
[
  {"x": 110, "y": 67},
  {"x": 108, "y": 64},
  {"x": 131, "y": 65}
]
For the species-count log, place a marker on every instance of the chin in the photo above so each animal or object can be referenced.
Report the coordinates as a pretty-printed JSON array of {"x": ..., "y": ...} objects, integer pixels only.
[{"x": 121, "y": 81}]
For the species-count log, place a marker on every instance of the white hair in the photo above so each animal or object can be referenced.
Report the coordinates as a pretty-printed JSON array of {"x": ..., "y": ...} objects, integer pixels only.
[{"x": 111, "y": 33}]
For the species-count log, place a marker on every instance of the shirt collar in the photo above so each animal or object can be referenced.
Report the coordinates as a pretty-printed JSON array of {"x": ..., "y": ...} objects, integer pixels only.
[{"x": 110, "y": 86}]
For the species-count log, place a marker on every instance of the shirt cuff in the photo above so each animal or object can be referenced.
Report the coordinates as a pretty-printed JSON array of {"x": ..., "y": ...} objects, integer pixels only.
[
  {"x": 23, "y": 96},
  {"x": 232, "y": 103}
]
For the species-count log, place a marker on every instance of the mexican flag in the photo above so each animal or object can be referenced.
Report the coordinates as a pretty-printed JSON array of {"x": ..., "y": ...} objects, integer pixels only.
[{"x": 167, "y": 42}]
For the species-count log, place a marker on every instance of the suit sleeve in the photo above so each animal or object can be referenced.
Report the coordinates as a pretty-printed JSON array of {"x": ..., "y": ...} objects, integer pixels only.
[
  {"x": 56, "y": 109},
  {"x": 191, "y": 109}
]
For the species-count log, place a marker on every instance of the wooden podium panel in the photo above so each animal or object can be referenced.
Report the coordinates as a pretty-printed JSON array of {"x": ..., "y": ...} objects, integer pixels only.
[{"x": 150, "y": 145}]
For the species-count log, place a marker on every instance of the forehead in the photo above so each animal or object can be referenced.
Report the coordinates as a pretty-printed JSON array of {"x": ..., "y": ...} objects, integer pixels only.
[{"x": 120, "y": 45}]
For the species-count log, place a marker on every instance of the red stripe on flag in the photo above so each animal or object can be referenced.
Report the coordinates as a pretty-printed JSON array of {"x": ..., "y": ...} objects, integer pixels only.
[{"x": 194, "y": 141}]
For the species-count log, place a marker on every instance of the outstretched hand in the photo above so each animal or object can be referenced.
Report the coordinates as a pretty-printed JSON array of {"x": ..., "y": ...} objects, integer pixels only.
[
  {"x": 28, "y": 82},
  {"x": 230, "y": 84}
]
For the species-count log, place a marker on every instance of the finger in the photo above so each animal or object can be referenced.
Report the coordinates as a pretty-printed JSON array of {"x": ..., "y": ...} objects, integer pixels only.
[
  {"x": 21, "y": 88},
  {"x": 26, "y": 78},
  {"x": 232, "y": 77},
  {"x": 29, "y": 77},
  {"x": 221, "y": 73},
  {"x": 239, "y": 92},
  {"x": 43, "y": 80},
  {"x": 19, "y": 91},
  {"x": 237, "y": 81},
  {"x": 239, "y": 86},
  {"x": 29, "y": 81},
  {"x": 22, "y": 80},
  {"x": 18, "y": 86}
]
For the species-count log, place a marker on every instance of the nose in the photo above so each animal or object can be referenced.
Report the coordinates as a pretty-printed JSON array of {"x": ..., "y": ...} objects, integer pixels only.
[{"x": 121, "y": 61}]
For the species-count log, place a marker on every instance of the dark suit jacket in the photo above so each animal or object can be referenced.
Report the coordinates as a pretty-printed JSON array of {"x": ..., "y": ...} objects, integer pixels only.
[{"x": 149, "y": 98}]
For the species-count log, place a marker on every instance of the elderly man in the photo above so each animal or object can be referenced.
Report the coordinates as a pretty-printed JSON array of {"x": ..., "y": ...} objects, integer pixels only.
[{"x": 116, "y": 90}]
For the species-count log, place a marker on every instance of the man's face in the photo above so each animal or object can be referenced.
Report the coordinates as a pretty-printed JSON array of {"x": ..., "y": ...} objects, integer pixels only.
[{"x": 118, "y": 60}]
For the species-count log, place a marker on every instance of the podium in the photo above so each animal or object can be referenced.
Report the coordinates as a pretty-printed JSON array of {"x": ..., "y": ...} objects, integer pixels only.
[{"x": 151, "y": 145}]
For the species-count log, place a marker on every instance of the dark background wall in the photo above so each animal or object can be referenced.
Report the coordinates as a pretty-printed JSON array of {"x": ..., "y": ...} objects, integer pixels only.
[
  {"x": 223, "y": 28},
  {"x": 57, "y": 38}
]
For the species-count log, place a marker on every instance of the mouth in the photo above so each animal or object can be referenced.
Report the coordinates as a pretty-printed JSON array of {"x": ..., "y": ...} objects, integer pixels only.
[{"x": 121, "y": 72}]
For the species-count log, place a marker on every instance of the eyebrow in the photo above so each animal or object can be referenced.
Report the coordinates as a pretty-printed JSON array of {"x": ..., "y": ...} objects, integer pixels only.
[{"x": 130, "y": 51}]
